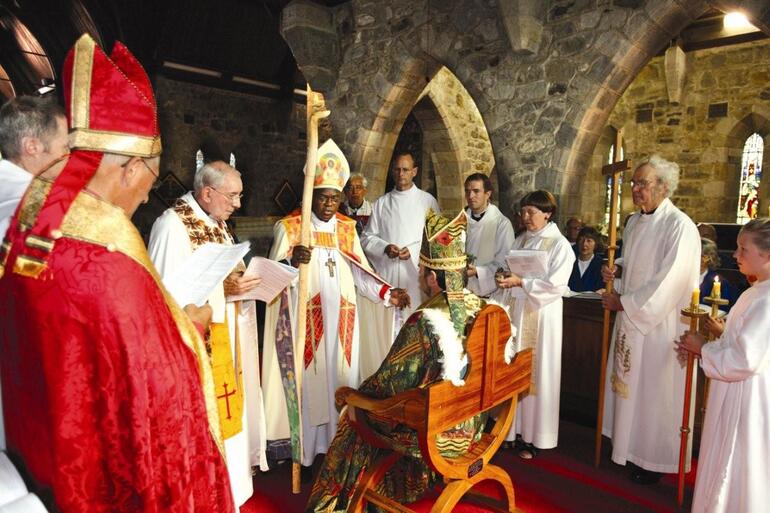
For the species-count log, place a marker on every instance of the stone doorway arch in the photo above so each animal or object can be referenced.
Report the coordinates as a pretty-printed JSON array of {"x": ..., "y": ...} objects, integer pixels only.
[{"x": 455, "y": 139}]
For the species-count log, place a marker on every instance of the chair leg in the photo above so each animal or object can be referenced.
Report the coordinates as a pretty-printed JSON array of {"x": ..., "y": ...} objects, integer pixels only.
[
  {"x": 369, "y": 480},
  {"x": 455, "y": 490}
]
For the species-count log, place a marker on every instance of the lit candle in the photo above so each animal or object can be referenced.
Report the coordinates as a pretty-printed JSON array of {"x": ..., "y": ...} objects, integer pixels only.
[
  {"x": 695, "y": 298},
  {"x": 716, "y": 289}
]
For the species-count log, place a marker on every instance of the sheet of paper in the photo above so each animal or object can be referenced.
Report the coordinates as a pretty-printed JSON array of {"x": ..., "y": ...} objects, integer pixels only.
[
  {"x": 585, "y": 295},
  {"x": 527, "y": 263},
  {"x": 275, "y": 277},
  {"x": 206, "y": 268},
  {"x": 12, "y": 487}
]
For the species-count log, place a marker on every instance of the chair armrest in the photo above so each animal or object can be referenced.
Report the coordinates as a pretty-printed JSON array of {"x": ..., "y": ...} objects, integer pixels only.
[{"x": 406, "y": 408}]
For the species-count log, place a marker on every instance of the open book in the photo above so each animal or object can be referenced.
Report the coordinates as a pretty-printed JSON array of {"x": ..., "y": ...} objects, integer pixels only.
[{"x": 14, "y": 496}]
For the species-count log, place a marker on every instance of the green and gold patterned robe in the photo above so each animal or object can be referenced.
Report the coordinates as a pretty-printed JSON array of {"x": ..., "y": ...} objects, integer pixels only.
[{"x": 414, "y": 360}]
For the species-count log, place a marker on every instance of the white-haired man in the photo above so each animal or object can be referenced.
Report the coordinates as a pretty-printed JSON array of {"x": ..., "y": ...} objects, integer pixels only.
[
  {"x": 357, "y": 207},
  {"x": 196, "y": 218},
  {"x": 645, "y": 383}
]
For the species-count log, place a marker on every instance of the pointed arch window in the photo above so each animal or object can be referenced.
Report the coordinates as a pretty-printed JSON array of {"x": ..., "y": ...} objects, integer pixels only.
[
  {"x": 198, "y": 159},
  {"x": 232, "y": 159},
  {"x": 751, "y": 173},
  {"x": 608, "y": 193}
]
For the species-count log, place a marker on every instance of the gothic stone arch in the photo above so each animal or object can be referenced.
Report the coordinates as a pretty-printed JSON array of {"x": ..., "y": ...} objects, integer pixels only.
[{"x": 455, "y": 140}]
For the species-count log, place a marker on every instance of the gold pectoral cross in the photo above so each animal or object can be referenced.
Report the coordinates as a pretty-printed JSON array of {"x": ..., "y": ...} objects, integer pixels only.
[{"x": 330, "y": 264}]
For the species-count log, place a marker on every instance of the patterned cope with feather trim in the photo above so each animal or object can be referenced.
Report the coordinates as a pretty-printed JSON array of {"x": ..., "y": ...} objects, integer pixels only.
[{"x": 414, "y": 360}]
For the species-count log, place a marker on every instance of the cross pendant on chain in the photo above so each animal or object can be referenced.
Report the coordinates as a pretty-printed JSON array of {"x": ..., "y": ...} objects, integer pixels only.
[{"x": 330, "y": 264}]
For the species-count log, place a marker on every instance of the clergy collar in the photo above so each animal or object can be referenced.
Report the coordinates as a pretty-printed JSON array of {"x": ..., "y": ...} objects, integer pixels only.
[
  {"x": 477, "y": 217},
  {"x": 661, "y": 206},
  {"x": 322, "y": 225},
  {"x": 541, "y": 231},
  {"x": 410, "y": 190},
  {"x": 198, "y": 210}
]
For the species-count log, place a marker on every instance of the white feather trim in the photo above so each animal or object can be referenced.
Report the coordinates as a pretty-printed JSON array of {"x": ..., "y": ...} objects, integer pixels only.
[
  {"x": 510, "y": 345},
  {"x": 454, "y": 359}
]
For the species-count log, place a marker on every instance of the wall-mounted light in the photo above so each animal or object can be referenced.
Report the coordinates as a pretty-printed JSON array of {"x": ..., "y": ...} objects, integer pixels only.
[{"x": 737, "y": 21}]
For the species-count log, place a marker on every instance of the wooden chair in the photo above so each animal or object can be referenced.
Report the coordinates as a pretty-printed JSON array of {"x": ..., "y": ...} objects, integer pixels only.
[{"x": 489, "y": 383}]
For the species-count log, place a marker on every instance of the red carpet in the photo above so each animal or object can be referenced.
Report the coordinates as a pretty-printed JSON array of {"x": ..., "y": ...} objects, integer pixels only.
[{"x": 557, "y": 481}]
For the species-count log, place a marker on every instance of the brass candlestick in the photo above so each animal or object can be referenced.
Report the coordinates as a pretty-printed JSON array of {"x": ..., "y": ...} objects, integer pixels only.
[{"x": 695, "y": 314}]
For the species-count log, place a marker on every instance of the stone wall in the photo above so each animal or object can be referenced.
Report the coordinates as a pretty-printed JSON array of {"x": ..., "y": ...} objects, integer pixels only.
[
  {"x": 266, "y": 136},
  {"x": 726, "y": 97},
  {"x": 544, "y": 105}
]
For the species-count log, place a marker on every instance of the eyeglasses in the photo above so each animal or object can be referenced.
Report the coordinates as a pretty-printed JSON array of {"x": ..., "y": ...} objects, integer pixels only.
[
  {"x": 232, "y": 196},
  {"x": 155, "y": 183},
  {"x": 524, "y": 212},
  {"x": 641, "y": 184}
]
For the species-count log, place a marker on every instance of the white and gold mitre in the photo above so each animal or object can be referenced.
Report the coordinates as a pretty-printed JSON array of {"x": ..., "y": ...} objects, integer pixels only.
[{"x": 331, "y": 170}]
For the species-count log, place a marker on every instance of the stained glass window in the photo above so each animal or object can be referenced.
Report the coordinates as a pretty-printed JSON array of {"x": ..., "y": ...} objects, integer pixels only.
[
  {"x": 608, "y": 193},
  {"x": 198, "y": 159},
  {"x": 751, "y": 173}
]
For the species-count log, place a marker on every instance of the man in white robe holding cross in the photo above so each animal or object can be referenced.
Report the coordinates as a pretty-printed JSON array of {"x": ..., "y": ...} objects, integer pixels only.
[{"x": 644, "y": 388}]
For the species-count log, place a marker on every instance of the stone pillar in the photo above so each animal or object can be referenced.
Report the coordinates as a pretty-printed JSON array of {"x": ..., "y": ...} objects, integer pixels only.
[
  {"x": 523, "y": 20},
  {"x": 310, "y": 32}
]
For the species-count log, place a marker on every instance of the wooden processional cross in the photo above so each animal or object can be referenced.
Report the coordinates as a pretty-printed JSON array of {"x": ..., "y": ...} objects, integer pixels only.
[{"x": 614, "y": 171}]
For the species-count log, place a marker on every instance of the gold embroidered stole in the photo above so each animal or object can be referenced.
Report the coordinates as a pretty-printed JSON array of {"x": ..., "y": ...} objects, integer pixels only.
[
  {"x": 227, "y": 373},
  {"x": 342, "y": 241}
]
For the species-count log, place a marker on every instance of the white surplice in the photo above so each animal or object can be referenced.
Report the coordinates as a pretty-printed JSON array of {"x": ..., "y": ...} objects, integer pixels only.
[
  {"x": 330, "y": 370},
  {"x": 537, "y": 414},
  {"x": 13, "y": 184},
  {"x": 734, "y": 460},
  {"x": 168, "y": 248},
  {"x": 644, "y": 390},
  {"x": 397, "y": 218},
  {"x": 489, "y": 240}
]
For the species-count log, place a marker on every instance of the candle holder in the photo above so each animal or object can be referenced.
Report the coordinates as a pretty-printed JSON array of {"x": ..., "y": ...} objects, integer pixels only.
[
  {"x": 715, "y": 303},
  {"x": 695, "y": 314}
]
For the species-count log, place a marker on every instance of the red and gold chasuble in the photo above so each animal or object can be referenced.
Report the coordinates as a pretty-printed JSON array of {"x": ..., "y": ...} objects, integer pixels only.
[
  {"x": 108, "y": 403},
  {"x": 228, "y": 374}
]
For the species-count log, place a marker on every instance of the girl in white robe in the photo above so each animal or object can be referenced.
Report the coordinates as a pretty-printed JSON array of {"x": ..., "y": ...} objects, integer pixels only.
[
  {"x": 734, "y": 464},
  {"x": 535, "y": 306}
]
